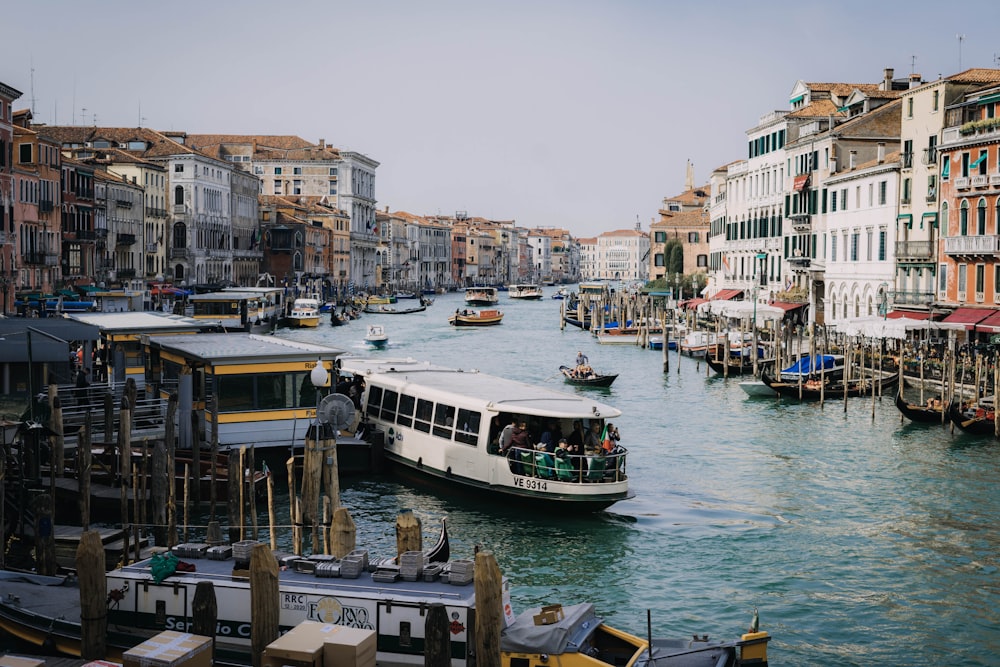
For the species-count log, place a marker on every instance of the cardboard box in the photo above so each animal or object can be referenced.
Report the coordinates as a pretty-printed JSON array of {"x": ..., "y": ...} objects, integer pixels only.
[
  {"x": 302, "y": 646},
  {"x": 171, "y": 649},
  {"x": 549, "y": 614},
  {"x": 18, "y": 661},
  {"x": 349, "y": 647}
]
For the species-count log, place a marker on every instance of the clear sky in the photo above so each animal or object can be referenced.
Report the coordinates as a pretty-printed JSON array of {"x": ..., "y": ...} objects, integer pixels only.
[{"x": 577, "y": 114}]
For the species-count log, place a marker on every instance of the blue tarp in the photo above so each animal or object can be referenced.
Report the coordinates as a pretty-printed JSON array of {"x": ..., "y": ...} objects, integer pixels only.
[{"x": 812, "y": 364}]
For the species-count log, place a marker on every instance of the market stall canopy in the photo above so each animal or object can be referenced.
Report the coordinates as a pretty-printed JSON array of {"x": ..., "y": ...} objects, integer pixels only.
[
  {"x": 882, "y": 327},
  {"x": 743, "y": 310}
]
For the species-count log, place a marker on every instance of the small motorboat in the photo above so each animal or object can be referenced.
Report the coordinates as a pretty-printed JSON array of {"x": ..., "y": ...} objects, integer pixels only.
[
  {"x": 472, "y": 318},
  {"x": 305, "y": 313},
  {"x": 562, "y": 293},
  {"x": 376, "y": 336},
  {"x": 585, "y": 376}
]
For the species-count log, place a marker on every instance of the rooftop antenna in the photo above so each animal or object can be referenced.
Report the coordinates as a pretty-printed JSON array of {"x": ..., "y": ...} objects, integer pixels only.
[
  {"x": 913, "y": 64},
  {"x": 83, "y": 115},
  {"x": 32, "y": 87},
  {"x": 960, "y": 38}
]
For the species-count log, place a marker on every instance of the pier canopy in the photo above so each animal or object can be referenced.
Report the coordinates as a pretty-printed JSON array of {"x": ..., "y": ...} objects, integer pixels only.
[
  {"x": 885, "y": 328},
  {"x": 744, "y": 310}
]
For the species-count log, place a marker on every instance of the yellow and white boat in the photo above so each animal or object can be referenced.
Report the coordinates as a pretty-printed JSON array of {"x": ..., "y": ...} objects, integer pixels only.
[{"x": 305, "y": 313}]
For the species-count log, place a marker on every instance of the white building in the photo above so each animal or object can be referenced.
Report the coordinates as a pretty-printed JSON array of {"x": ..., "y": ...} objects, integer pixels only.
[
  {"x": 621, "y": 255},
  {"x": 860, "y": 233}
]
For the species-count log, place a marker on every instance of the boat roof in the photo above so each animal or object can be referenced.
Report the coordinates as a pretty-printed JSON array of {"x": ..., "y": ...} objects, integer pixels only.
[
  {"x": 498, "y": 394},
  {"x": 240, "y": 348},
  {"x": 563, "y": 636},
  {"x": 139, "y": 322},
  {"x": 222, "y": 296}
]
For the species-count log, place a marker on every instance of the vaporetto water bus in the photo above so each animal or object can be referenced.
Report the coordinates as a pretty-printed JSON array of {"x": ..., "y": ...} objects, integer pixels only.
[{"x": 446, "y": 425}]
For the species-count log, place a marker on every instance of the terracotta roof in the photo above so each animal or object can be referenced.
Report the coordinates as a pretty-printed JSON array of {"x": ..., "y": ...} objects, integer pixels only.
[
  {"x": 890, "y": 158},
  {"x": 158, "y": 145},
  {"x": 817, "y": 109},
  {"x": 625, "y": 232},
  {"x": 883, "y": 121},
  {"x": 115, "y": 156},
  {"x": 976, "y": 75},
  {"x": 681, "y": 219},
  {"x": 276, "y": 141}
]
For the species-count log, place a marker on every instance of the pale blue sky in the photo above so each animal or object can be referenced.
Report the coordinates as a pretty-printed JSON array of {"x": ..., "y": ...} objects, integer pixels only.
[{"x": 576, "y": 114}]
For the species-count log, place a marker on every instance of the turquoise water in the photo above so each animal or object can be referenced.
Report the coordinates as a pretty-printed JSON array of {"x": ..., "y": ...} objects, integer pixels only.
[{"x": 860, "y": 541}]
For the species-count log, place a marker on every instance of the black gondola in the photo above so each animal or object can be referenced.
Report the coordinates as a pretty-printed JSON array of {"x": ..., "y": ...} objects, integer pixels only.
[
  {"x": 920, "y": 413},
  {"x": 811, "y": 391},
  {"x": 593, "y": 379},
  {"x": 382, "y": 309},
  {"x": 974, "y": 420}
]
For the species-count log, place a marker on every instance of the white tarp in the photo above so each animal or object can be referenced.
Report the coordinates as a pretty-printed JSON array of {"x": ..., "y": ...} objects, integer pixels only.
[
  {"x": 880, "y": 327},
  {"x": 743, "y": 310}
]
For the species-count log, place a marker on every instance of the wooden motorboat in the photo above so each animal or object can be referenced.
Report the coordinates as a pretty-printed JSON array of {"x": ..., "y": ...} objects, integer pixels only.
[
  {"x": 586, "y": 377},
  {"x": 472, "y": 318},
  {"x": 974, "y": 419},
  {"x": 305, "y": 313},
  {"x": 932, "y": 413}
]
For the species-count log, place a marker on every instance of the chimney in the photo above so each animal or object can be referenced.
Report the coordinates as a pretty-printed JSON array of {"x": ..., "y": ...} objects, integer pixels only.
[
  {"x": 915, "y": 80},
  {"x": 887, "y": 78},
  {"x": 322, "y": 143},
  {"x": 854, "y": 160},
  {"x": 880, "y": 152}
]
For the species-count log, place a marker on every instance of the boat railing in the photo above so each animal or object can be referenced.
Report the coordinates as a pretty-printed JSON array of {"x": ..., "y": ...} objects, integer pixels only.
[{"x": 606, "y": 468}]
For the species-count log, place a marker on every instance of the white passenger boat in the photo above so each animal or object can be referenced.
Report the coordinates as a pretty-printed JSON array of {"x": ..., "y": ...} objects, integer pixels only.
[
  {"x": 445, "y": 425},
  {"x": 525, "y": 291},
  {"x": 376, "y": 336},
  {"x": 481, "y": 296},
  {"x": 305, "y": 313}
]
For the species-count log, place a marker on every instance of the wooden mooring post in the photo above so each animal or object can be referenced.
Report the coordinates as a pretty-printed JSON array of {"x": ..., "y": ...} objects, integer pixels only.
[
  {"x": 90, "y": 571},
  {"x": 409, "y": 533},
  {"x": 264, "y": 601},
  {"x": 489, "y": 609}
]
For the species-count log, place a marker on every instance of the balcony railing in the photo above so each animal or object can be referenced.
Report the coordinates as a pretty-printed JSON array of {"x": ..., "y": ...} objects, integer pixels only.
[
  {"x": 912, "y": 298},
  {"x": 911, "y": 250},
  {"x": 3, "y": 237},
  {"x": 800, "y": 220},
  {"x": 151, "y": 247},
  {"x": 987, "y": 244},
  {"x": 962, "y": 183},
  {"x": 86, "y": 235},
  {"x": 44, "y": 205},
  {"x": 125, "y": 274},
  {"x": 84, "y": 193},
  {"x": 994, "y": 179},
  {"x": 156, "y": 212},
  {"x": 51, "y": 259},
  {"x": 33, "y": 257},
  {"x": 180, "y": 253},
  {"x": 907, "y": 160},
  {"x": 930, "y": 155},
  {"x": 125, "y": 239},
  {"x": 123, "y": 203},
  {"x": 980, "y": 181}
]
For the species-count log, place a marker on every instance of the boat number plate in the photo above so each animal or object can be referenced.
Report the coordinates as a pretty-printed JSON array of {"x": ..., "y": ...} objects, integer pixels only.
[{"x": 531, "y": 483}]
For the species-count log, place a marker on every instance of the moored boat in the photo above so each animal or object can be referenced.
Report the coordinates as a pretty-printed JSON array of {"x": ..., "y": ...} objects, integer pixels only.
[
  {"x": 932, "y": 412},
  {"x": 305, "y": 313},
  {"x": 384, "y": 309},
  {"x": 481, "y": 296},
  {"x": 814, "y": 388},
  {"x": 525, "y": 291},
  {"x": 473, "y": 318},
  {"x": 561, "y": 293},
  {"x": 757, "y": 389},
  {"x": 827, "y": 366},
  {"x": 973, "y": 418},
  {"x": 432, "y": 414}
]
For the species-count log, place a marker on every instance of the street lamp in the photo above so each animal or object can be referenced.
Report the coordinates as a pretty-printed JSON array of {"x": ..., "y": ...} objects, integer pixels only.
[{"x": 319, "y": 378}]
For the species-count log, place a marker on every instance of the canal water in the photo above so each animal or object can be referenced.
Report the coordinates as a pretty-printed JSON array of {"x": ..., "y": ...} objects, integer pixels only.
[{"x": 860, "y": 540}]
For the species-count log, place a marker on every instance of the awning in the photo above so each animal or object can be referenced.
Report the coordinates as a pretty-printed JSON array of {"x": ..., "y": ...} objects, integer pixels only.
[
  {"x": 727, "y": 294},
  {"x": 970, "y": 317},
  {"x": 909, "y": 314},
  {"x": 982, "y": 156},
  {"x": 988, "y": 99},
  {"x": 691, "y": 304},
  {"x": 800, "y": 182},
  {"x": 932, "y": 217},
  {"x": 991, "y": 323},
  {"x": 946, "y": 168},
  {"x": 906, "y": 219},
  {"x": 786, "y": 306}
]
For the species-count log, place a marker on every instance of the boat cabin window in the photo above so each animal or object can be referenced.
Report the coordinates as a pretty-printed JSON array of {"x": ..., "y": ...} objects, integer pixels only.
[
  {"x": 236, "y": 393},
  {"x": 374, "y": 401},
  {"x": 405, "y": 415},
  {"x": 389, "y": 405},
  {"x": 425, "y": 409},
  {"x": 444, "y": 420},
  {"x": 258, "y": 391},
  {"x": 273, "y": 391},
  {"x": 467, "y": 427}
]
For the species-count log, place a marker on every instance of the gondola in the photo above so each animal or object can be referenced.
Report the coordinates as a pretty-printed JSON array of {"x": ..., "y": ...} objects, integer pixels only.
[
  {"x": 382, "y": 309},
  {"x": 810, "y": 391},
  {"x": 594, "y": 379},
  {"x": 741, "y": 365},
  {"x": 336, "y": 319},
  {"x": 919, "y": 413},
  {"x": 976, "y": 421}
]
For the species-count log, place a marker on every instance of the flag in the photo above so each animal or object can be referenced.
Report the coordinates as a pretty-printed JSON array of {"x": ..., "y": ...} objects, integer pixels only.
[
  {"x": 788, "y": 284},
  {"x": 725, "y": 263}
]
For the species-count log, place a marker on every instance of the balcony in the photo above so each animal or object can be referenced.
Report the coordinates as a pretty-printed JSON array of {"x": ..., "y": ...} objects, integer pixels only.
[
  {"x": 151, "y": 248},
  {"x": 980, "y": 181},
  {"x": 907, "y": 159},
  {"x": 912, "y": 298},
  {"x": 800, "y": 221},
  {"x": 3, "y": 237},
  {"x": 124, "y": 239},
  {"x": 995, "y": 180},
  {"x": 51, "y": 259},
  {"x": 123, "y": 203},
  {"x": 44, "y": 205},
  {"x": 125, "y": 274},
  {"x": 914, "y": 251},
  {"x": 86, "y": 235},
  {"x": 84, "y": 193},
  {"x": 33, "y": 258},
  {"x": 987, "y": 245},
  {"x": 930, "y": 155},
  {"x": 962, "y": 183},
  {"x": 156, "y": 212},
  {"x": 180, "y": 253},
  {"x": 800, "y": 263}
]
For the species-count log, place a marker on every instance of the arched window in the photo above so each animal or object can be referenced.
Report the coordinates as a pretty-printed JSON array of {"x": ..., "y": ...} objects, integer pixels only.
[
  {"x": 179, "y": 195},
  {"x": 981, "y": 217},
  {"x": 298, "y": 239},
  {"x": 944, "y": 217},
  {"x": 179, "y": 272},
  {"x": 297, "y": 259},
  {"x": 963, "y": 219},
  {"x": 857, "y": 306}
]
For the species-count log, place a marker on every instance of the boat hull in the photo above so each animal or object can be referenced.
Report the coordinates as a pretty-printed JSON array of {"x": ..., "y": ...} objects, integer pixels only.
[
  {"x": 597, "y": 380},
  {"x": 919, "y": 413},
  {"x": 304, "y": 321}
]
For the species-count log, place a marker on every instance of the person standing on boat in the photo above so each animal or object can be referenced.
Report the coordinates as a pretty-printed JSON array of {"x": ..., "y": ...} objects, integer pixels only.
[
  {"x": 592, "y": 441},
  {"x": 505, "y": 436},
  {"x": 549, "y": 437},
  {"x": 581, "y": 359}
]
